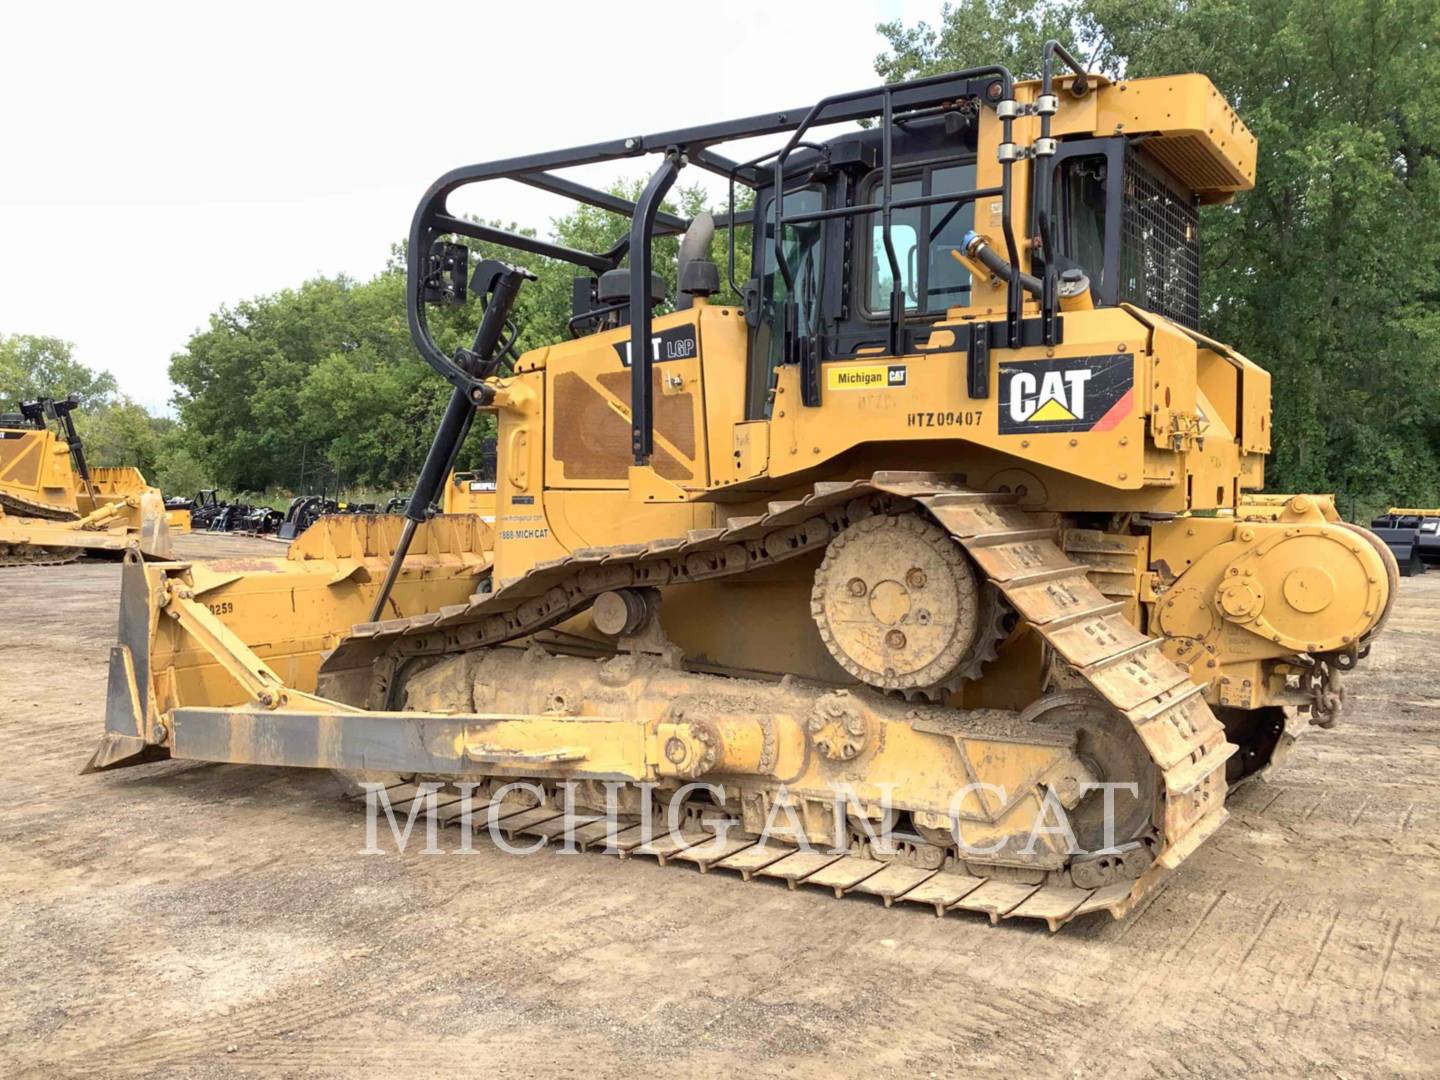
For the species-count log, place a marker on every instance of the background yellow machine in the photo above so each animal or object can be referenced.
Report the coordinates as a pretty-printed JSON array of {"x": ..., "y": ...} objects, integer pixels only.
[
  {"x": 947, "y": 507},
  {"x": 470, "y": 493},
  {"x": 54, "y": 507}
]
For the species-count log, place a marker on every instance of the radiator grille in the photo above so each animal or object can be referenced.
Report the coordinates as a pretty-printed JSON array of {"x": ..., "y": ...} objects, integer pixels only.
[
  {"x": 1160, "y": 247},
  {"x": 592, "y": 440}
]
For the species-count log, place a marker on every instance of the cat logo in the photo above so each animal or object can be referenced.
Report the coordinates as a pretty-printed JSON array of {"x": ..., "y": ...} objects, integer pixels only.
[
  {"x": 1060, "y": 396},
  {"x": 676, "y": 343},
  {"x": 1079, "y": 393}
]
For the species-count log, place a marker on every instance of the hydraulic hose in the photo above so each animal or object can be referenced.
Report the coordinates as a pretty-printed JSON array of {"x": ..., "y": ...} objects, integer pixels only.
[{"x": 979, "y": 248}]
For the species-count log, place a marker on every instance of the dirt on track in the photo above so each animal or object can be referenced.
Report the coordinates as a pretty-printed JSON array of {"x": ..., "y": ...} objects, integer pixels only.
[{"x": 184, "y": 919}]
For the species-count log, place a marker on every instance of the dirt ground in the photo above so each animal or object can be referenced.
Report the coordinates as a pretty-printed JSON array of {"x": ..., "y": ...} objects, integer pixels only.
[{"x": 185, "y": 919}]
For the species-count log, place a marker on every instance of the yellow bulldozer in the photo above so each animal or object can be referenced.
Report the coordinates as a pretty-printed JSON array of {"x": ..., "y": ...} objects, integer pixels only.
[
  {"x": 54, "y": 507},
  {"x": 470, "y": 493},
  {"x": 924, "y": 563}
]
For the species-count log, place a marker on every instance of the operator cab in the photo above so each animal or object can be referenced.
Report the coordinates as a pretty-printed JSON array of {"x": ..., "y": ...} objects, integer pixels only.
[
  {"x": 842, "y": 273},
  {"x": 1121, "y": 219},
  {"x": 974, "y": 203}
]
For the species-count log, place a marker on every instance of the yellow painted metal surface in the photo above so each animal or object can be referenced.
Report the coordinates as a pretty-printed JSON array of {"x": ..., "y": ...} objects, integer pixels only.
[
  {"x": 1237, "y": 597},
  {"x": 1197, "y": 136},
  {"x": 288, "y": 610},
  {"x": 35, "y": 468},
  {"x": 587, "y": 410},
  {"x": 465, "y": 493},
  {"x": 553, "y": 717}
]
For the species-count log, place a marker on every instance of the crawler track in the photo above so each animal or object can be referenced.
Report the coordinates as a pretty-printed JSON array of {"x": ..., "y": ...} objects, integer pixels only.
[
  {"x": 29, "y": 554},
  {"x": 1018, "y": 555},
  {"x": 12, "y": 504},
  {"x": 524, "y": 824}
]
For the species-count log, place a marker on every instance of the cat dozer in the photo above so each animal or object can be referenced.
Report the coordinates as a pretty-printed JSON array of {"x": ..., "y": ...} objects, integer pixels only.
[
  {"x": 54, "y": 507},
  {"x": 922, "y": 563}
]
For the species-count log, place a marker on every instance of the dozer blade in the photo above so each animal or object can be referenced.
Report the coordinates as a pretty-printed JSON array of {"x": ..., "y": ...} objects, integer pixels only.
[
  {"x": 234, "y": 631},
  {"x": 127, "y": 688},
  {"x": 121, "y": 496}
]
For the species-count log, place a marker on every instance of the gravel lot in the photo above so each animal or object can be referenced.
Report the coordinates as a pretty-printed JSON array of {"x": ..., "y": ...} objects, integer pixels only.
[{"x": 185, "y": 919}]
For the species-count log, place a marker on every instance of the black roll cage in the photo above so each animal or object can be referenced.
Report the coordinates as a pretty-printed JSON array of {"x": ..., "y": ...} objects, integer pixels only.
[{"x": 991, "y": 85}]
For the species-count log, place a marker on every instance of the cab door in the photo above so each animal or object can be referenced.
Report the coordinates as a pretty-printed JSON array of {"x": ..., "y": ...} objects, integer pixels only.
[{"x": 804, "y": 244}]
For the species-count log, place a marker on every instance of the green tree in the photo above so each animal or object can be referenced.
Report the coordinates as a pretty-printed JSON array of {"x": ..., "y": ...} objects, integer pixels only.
[
  {"x": 123, "y": 433},
  {"x": 32, "y": 366},
  {"x": 239, "y": 382},
  {"x": 974, "y": 33},
  {"x": 176, "y": 470},
  {"x": 591, "y": 229}
]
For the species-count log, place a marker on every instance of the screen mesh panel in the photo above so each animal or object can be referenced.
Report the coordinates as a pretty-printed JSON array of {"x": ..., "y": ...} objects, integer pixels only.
[{"x": 1160, "y": 247}]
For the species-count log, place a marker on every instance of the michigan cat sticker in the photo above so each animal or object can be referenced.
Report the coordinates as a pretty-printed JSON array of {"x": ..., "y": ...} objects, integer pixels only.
[
  {"x": 1074, "y": 393},
  {"x": 866, "y": 377}
]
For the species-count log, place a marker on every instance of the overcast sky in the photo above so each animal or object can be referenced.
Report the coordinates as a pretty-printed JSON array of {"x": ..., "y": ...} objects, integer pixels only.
[{"x": 163, "y": 159}]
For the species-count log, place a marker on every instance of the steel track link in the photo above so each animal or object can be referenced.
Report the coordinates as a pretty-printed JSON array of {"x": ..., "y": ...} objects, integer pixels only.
[
  {"x": 28, "y": 554},
  {"x": 1018, "y": 555},
  {"x": 13, "y": 504},
  {"x": 33, "y": 556},
  {"x": 843, "y": 875}
]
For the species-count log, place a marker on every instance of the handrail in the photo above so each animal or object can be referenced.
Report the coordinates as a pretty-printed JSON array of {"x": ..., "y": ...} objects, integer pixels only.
[
  {"x": 642, "y": 404},
  {"x": 888, "y": 204},
  {"x": 1046, "y": 106},
  {"x": 432, "y": 219}
]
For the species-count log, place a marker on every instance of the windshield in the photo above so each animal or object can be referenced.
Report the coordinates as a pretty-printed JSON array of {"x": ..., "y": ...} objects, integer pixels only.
[
  {"x": 1082, "y": 191},
  {"x": 927, "y": 269}
]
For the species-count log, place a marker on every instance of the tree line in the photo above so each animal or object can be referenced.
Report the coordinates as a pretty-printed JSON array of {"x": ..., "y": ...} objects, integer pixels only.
[{"x": 1327, "y": 274}]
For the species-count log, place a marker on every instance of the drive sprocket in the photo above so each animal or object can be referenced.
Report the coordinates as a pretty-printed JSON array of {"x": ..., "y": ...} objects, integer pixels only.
[{"x": 899, "y": 606}]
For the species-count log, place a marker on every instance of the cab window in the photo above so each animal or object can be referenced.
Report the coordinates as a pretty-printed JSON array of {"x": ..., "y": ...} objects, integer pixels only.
[
  {"x": 923, "y": 238},
  {"x": 802, "y": 254},
  {"x": 1083, "y": 192}
]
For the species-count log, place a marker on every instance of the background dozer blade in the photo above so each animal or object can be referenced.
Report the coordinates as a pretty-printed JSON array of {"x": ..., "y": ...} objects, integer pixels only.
[{"x": 228, "y": 633}]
